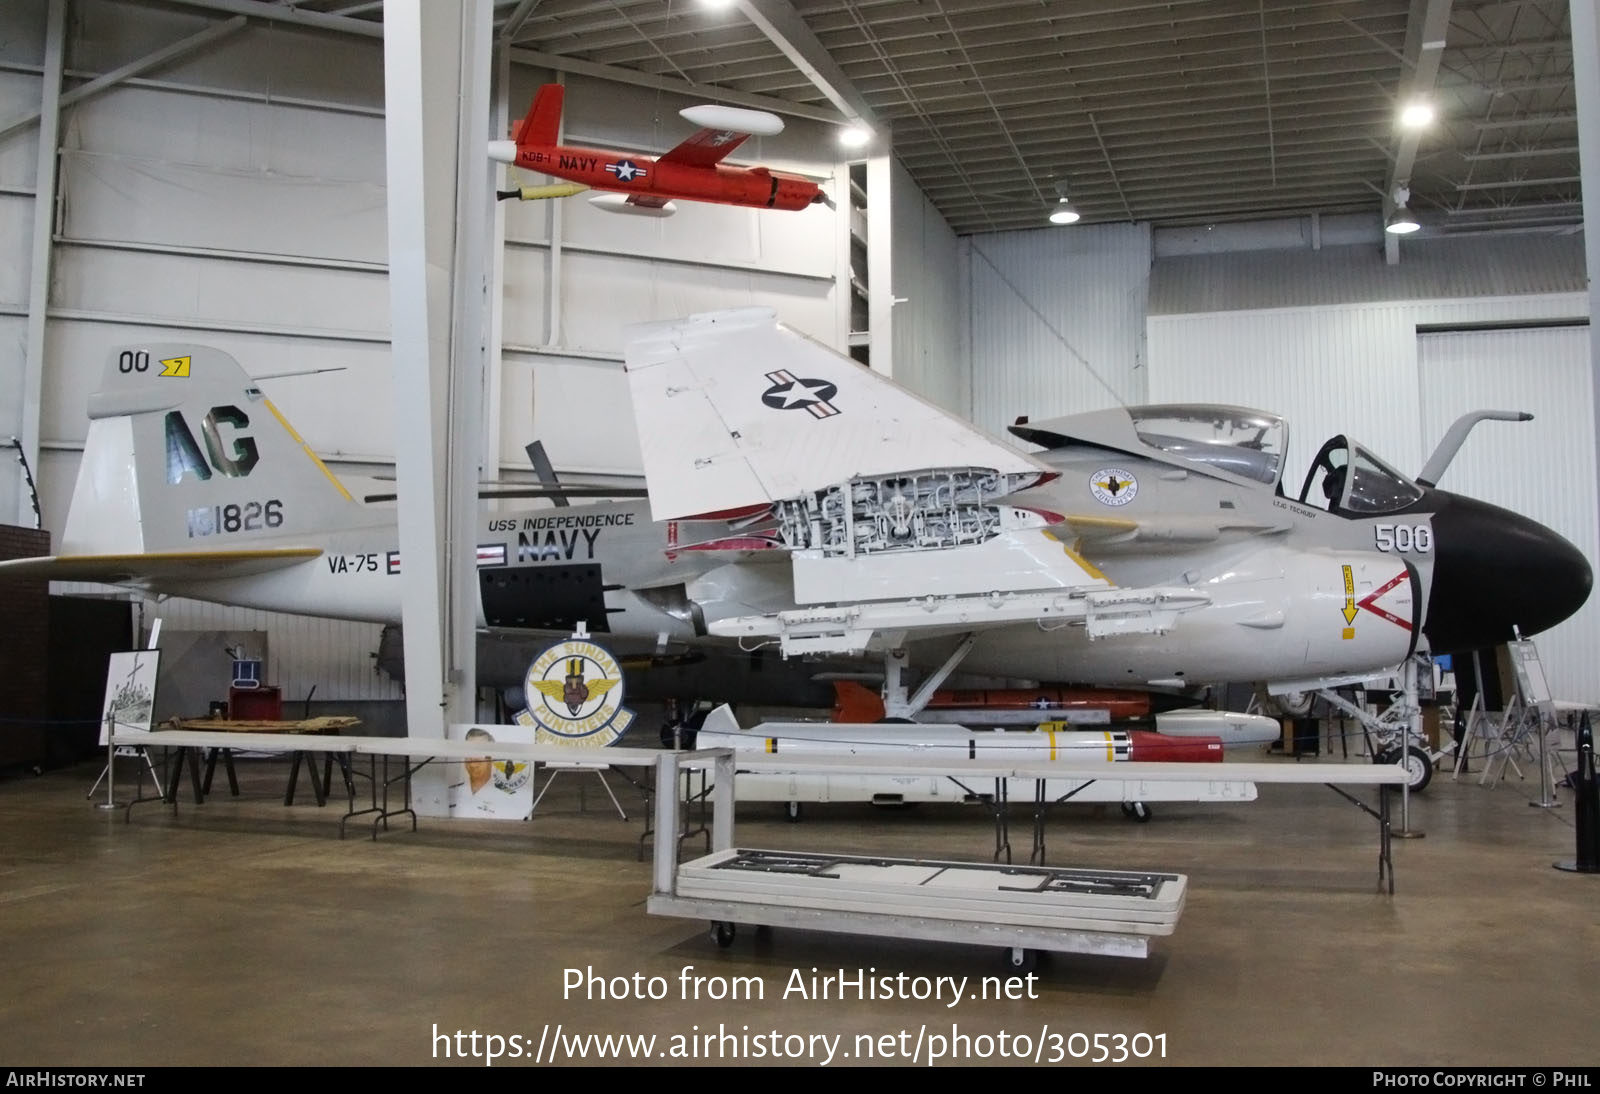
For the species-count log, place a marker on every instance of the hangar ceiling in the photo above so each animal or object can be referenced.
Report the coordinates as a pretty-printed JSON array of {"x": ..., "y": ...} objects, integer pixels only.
[
  {"x": 1187, "y": 110},
  {"x": 1183, "y": 111}
]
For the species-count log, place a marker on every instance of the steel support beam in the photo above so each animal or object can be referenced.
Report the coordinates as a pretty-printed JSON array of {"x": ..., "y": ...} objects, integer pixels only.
[
  {"x": 280, "y": 13},
  {"x": 1425, "y": 35},
  {"x": 131, "y": 69},
  {"x": 508, "y": 32},
  {"x": 783, "y": 26},
  {"x": 440, "y": 208},
  {"x": 572, "y": 65},
  {"x": 44, "y": 222}
]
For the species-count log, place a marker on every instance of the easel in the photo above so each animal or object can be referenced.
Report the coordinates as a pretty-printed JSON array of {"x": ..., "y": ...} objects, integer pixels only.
[
  {"x": 599, "y": 770},
  {"x": 1530, "y": 714},
  {"x": 108, "y": 774},
  {"x": 1535, "y": 691}
]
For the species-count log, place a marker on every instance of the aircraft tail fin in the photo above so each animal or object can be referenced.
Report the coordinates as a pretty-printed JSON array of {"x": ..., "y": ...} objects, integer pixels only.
[
  {"x": 543, "y": 123},
  {"x": 186, "y": 453}
]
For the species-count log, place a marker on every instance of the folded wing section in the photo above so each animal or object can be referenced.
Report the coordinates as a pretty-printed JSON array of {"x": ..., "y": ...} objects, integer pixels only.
[{"x": 734, "y": 409}]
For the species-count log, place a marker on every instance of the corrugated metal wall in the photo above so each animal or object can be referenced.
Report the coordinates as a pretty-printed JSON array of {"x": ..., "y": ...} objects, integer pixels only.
[
  {"x": 1349, "y": 369},
  {"x": 1544, "y": 469},
  {"x": 1327, "y": 370},
  {"x": 929, "y": 349},
  {"x": 1050, "y": 310}
]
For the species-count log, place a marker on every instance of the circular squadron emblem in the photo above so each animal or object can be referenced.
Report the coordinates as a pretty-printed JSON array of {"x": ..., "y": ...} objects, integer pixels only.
[
  {"x": 1113, "y": 486},
  {"x": 573, "y": 692}
]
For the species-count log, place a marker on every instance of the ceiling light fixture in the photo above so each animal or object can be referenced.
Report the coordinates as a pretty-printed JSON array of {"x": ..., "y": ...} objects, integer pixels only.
[
  {"x": 1062, "y": 211},
  {"x": 1402, "y": 221},
  {"x": 1417, "y": 115},
  {"x": 855, "y": 135}
]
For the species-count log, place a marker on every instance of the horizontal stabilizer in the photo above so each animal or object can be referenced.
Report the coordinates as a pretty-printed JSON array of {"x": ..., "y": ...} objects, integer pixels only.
[
  {"x": 158, "y": 566},
  {"x": 734, "y": 408}
]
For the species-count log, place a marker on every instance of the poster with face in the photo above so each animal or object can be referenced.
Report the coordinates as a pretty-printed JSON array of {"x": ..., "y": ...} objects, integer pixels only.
[{"x": 489, "y": 787}]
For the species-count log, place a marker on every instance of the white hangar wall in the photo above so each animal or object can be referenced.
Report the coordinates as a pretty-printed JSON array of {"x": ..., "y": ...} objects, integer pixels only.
[
  {"x": 234, "y": 196},
  {"x": 1055, "y": 320}
]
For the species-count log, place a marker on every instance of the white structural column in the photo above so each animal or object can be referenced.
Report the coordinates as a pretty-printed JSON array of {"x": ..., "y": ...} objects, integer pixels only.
[
  {"x": 44, "y": 222},
  {"x": 436, "y": 78},
  {"x": 880, "y": 267},
  {"x": 1586, "y": 76}
]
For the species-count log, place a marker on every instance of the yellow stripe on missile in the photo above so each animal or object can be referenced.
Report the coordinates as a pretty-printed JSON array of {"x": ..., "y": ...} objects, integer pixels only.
[
  {"x": 1052, "y": 743},
  {"x": 772, "y": 745},
  {"x": 1111, "y": 750},
  {"x": 555, "y": 190},
  {"x": 289, "y": 429},
  {"x": 175, "y": 366}
]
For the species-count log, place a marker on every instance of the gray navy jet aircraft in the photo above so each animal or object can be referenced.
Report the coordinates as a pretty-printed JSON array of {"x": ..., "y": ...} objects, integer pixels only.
[{"x": 803, "y": 504}]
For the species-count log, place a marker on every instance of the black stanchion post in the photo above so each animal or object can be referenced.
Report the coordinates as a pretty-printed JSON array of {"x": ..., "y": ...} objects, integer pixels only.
[{"x": 1588, "y": 813}]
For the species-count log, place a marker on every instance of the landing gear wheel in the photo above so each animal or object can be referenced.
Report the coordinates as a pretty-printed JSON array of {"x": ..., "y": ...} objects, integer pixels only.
[
  {"x": 793, "y": 811},
  {"x": 1419, "y": 766},
  {"x": 1022, "y": 960},
  {"x": 1138, "y": 811},
  {"x": 723, "y": 934}
]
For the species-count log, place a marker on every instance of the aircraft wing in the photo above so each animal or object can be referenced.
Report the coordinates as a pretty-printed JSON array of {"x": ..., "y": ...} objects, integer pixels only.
[
  {"x": 136, "y": 569},
  {"x": 705, "y": 148},
  {"x": 734, "y": 409}
]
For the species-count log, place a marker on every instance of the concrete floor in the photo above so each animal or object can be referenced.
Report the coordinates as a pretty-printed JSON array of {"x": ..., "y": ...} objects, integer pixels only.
[{"x": 244, "y": 932}]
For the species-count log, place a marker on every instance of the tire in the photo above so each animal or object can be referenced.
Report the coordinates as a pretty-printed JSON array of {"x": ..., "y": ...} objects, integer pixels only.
[
  {"x": 723, "y": 934},
  {"x": 1138, "y": 811},
  {"x": 1419, "y": 766},
  {"x": 793, "y": 812}
]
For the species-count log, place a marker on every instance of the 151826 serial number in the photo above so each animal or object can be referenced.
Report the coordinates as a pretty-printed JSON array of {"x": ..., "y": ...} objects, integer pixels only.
[{"x": 252, "y": 516}]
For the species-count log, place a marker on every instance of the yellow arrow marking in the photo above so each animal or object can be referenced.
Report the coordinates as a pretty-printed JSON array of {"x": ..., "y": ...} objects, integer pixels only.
[
  {"x": 1349, "y": 596},
  {"x": 175, "y": 366}
]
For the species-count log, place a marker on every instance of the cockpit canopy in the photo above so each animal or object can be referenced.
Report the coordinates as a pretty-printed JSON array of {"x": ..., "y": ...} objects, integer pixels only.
[
  {"x": 1247, "y": 443},
  {"x": 1346, "y": 478},
  {"x": 1239, "y": 442}
]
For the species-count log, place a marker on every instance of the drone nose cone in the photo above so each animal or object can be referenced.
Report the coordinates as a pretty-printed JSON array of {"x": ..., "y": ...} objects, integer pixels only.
[
  {"x": 1494, "y": 570},
  {"x": 503, "y": 151}
]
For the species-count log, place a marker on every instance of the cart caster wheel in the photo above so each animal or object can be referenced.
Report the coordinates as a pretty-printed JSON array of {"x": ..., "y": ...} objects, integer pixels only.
[
  {"x": 792, "y": 812},
  {"x": 1022, "y": 960},
  {"x": 1138, "y": 811},
  {"x": 722, "y": 934}
]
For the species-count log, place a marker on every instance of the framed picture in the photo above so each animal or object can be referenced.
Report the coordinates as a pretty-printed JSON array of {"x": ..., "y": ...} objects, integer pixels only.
[{"x": 130, "y": 692}]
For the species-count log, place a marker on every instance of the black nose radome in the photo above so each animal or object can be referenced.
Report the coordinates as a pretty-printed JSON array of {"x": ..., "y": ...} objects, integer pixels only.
[{"x": 1494, "y": 570}]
